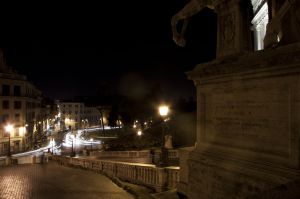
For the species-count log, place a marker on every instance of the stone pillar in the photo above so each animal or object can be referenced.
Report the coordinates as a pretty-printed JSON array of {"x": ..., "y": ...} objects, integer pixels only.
[
  {"x": 161, "y": 180},
  {"x": 234, "y": 34},
  {"x": 259, "y": 21}
]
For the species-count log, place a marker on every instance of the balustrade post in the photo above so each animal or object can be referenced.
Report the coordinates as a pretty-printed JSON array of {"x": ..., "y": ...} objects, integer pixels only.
[
  {"x": 114, "y": 170},
  {"x": 161, "y": 180}
]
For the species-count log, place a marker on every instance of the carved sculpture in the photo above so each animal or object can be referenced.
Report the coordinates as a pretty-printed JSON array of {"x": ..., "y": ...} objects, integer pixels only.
[
  {"x": 278, "y": 30},
  {"x": 168, "y": 142},
  {"x": 190, "y": 9},
  {"x": 288, "y": 10}
]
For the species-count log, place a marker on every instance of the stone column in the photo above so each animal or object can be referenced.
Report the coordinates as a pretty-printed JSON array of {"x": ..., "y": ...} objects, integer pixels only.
[{"x": 259, "y": 21}]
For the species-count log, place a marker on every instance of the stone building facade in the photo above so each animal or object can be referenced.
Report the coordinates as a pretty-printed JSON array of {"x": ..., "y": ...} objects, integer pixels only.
[
  {"x": 78, "y": 115},
  {"x": 92, "y": 116},
  {"x": 20, "y": 106},
  {"x": 72, "y": 114}
]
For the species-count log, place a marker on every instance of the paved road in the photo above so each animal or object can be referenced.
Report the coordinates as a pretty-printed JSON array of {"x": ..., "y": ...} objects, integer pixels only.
[{"x": 43, "y": 181}]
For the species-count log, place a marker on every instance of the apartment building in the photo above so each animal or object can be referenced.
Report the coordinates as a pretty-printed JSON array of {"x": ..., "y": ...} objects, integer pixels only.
[
  {"x": 92, "y": 116},
  {"x": 77, "y": 115},
  {"x": 20, "y": 103},
  {"x": 71, "y": 113}
]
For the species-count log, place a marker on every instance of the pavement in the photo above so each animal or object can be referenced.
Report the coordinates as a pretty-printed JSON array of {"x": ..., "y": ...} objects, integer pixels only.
[{"x": 45, "y": 181}]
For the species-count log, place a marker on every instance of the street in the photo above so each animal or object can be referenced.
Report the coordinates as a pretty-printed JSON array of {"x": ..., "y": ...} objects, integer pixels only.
[{"x": 39, "y": 181}]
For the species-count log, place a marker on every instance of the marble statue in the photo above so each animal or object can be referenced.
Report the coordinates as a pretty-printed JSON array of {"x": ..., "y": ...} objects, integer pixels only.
[
  {"x": 190, "y": 9},
  {"x": 279, "y": 12},
  {"x": 168, "y": 142},
  {"x": 284, "y": 26}
]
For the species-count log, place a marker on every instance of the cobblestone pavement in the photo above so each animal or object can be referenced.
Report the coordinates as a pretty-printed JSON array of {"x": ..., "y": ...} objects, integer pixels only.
[{"x": 50, "y": 180}]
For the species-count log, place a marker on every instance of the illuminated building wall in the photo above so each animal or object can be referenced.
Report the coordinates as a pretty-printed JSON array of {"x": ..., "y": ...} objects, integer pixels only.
[{"x": 20, "y": 104}]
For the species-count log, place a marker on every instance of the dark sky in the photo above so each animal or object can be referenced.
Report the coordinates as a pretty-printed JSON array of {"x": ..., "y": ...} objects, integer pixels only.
[{"x": 71, "y": 49}]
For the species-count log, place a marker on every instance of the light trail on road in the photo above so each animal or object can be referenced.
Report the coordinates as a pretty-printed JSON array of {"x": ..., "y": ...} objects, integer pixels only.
[{"x": 78, "y": 140}]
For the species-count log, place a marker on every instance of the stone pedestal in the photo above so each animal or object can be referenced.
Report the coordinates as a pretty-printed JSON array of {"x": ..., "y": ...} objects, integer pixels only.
[
  {"x": 248, "y": 124},
  {"x": 182, "y": 186}
]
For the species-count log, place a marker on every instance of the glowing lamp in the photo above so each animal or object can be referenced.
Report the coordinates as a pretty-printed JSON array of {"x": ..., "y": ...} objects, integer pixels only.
[{"x": 163, "y": 110}]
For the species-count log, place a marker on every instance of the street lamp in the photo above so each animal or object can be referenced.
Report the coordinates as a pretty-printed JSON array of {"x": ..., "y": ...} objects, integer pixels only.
[
  {"x": 9, "y": 128},
  {"x": 163, "y": 112},
  {"x": 139, "y": 133},
  {"x": 72, "y": 152},
  {"x": 52, "y": 145}
]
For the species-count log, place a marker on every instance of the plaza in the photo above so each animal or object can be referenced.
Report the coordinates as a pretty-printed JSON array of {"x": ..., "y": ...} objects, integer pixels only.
[{"x": 43, "y": 181}]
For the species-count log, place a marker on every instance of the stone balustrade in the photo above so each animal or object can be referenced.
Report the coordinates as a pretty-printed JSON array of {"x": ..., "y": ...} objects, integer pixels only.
[
  {"x": 29, "y": 159},
  {"x": 2, "y": 161},
  {"x": 136, "y": 154},
  {"x": 144, "y": 156},
  {"x": 159, "y": 179}
]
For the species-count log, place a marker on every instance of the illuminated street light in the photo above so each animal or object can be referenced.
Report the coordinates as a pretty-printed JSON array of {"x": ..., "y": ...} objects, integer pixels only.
[
  {"x": 163, "y": 110},
  {"x": 139, "y": 133},
  {"x": 9, "y": 128}
]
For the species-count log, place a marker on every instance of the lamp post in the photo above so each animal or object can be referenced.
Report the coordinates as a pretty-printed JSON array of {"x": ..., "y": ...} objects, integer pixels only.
[
  {"x": 52, "y": 146},
  {"x": 163, "y": 112},
  {"x": 72, "y": 152},
  {"x": 9, "y": 128},
  {"x": 91, "y": 140},
  {"x": 84, "y": 126}
]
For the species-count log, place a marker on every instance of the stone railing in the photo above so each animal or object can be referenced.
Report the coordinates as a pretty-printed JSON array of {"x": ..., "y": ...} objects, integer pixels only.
[
  {"x": 2, "y": 161},
  {"x": 159, "y": 179},
  {"x": 144, "y": 156},
  {"x": 122, "y": 154}
]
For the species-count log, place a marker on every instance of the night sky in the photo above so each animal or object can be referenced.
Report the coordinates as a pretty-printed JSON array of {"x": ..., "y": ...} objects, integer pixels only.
[{"x": 72, "y": 49}]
